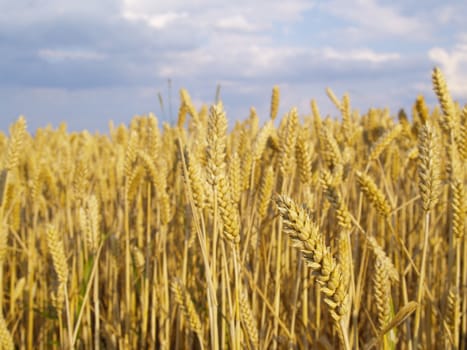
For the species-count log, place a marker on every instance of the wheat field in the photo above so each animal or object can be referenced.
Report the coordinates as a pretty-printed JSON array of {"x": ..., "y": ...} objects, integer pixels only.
[{"x": 300, "y": 232}]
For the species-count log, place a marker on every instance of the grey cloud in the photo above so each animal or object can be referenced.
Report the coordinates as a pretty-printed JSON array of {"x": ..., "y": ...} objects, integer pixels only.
[{"x": 130, "y": 52}]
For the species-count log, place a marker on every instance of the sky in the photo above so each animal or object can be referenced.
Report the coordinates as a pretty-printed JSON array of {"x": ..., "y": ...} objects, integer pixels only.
[{"x": 88, "y": 62}]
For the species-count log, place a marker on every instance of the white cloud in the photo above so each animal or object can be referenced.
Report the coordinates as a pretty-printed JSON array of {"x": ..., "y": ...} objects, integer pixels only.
[
  {"x": 453, "y": 64},
  {"x": 157, "y": 21},
  {"x": 372, "y": 18},
  {"x": 54, "y": 55},
  {"x": 231, "y": 55},
  {"x": 255, "y": 57},
  {"x": 240, "y": 15},
  {"x": 236, "y": 22},
  {"x": 446, "y": 14},
  {"x": 362, "y": 55}
]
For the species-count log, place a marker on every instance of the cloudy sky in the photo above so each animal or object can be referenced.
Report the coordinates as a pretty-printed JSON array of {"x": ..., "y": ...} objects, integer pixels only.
[{"x": 87, "y": 62}]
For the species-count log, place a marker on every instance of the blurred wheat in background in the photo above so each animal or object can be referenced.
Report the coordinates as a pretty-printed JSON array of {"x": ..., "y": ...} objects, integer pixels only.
[{"x": 299, "y": 232}]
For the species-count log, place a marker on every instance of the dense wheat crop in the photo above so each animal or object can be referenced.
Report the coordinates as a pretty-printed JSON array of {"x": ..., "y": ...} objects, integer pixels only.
[{"x": 297, "y": 232}]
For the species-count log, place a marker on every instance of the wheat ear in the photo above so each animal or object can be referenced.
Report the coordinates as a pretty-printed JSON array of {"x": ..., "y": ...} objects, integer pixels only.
[
  {"x": 303, "y": 155},
  {"x": 248, "y": 319},
  {"x": 429, "y": 169},
  {"x": 384, "y": 141},
  {"x": 373, "y": 194},
  {"x": 288, "y": 141},
  {"x": 6, "y": 339},
  {"x": 18, "y": 132},
  {"x": 441, "y": 89},
  {"x": 382, "y": 290},
  {"x": 275, "y": 102},
  {"x": 57, "y": 251},
  {"x": 184, "y": 301},
  {"x": 344, "y": 218},
  {"x": 332, "y": 96},
  {"x": 305, "y": 235}
]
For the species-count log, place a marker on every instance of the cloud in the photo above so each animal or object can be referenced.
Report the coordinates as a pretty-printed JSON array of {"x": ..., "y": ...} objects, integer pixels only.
[
  {"x": 176, "y": 40},
  {"x": 213, "y": 14},
  {"x": 52, "y": 55},
  {"x": 248, "y": 58},
  {"x": 370, "y": 18},
  {"x": 363, "y": 55},
  {"x": 21, "y": 13},
  {"x": 82, "y": 50},
  {"x": 158, "y": 21},
  {"x": 235, "y": 22},
  {"x": 113, "y": 50},
  {"x": 449, "y": 13},
  {"x": 453, "y": 64}
]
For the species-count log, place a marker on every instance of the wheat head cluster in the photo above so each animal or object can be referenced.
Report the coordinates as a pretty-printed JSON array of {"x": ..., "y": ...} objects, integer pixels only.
[{"x": 300, "y": 232}]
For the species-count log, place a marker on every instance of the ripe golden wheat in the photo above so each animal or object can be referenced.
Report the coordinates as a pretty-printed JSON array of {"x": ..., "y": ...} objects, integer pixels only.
[{"x": 340, "y": 231}]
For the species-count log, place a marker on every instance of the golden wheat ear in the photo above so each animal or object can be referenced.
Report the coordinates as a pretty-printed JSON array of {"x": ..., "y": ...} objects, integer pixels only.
[
  {"x": 305, "y": 235},
  {"x": 429, "y": 168},
  {"x": 18, "y": 133},
  {"x": 6, "y": 340},
  {"x": 184, "y": 301},
  {"x": 275, "y": 102}
]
